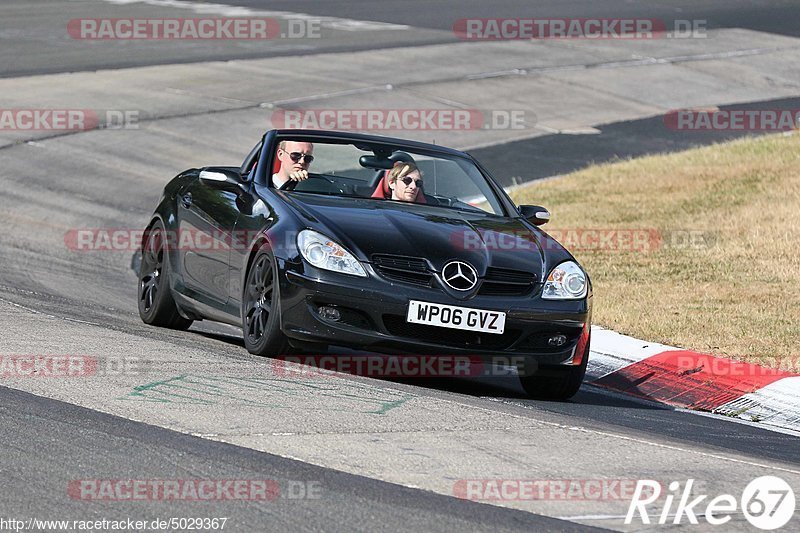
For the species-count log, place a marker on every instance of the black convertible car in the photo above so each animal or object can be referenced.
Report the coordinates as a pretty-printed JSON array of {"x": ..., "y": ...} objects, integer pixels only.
[{"x": 386, "y": 245}]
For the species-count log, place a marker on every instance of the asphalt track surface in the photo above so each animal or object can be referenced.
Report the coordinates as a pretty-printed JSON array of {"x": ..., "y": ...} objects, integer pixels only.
[
  {"x": 100, "y": 442},
  {"x": 56, "y": 301},
  {"x": 769, "y": 16},
  {"x": 36, "y": 41}
]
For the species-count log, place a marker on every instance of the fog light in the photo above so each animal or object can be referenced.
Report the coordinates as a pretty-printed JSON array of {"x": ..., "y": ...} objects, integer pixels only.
[
  {"x": 557, "y": 340},
  {"x": 329, "y": 313}
]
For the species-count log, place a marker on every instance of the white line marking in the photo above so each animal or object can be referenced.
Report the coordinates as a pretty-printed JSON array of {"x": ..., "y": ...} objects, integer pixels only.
[
  {"x": 226, "y": 10},
  {"x": 35, "y": 312},
  {"x": 622, "y": 517},
  {"x": 632, "y": 439},
  {"x": 592, "y": 517},
  {"x": 322, "y": 96}
]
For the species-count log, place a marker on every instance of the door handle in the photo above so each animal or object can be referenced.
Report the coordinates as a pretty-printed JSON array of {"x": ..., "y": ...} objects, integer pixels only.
[{"x": 186, "y": 200}]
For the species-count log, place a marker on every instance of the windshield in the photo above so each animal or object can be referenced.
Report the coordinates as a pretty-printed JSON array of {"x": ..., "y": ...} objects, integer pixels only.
[{"x": 382, "y": 173}]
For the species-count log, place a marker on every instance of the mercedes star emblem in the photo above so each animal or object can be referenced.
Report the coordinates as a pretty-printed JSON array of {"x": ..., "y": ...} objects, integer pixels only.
[{"x": 460, "y": 275}]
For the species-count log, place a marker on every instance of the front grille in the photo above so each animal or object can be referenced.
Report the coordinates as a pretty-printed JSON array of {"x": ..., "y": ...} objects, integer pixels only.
[
  {"x": 504, "y": 282},
  {"x": 405, "y": 269},
  {"x": 414, "y": 264},
  {"x": 397, "y": 325}
]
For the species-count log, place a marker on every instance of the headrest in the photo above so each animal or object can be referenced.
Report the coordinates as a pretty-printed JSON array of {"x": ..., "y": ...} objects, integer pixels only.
[{"x": 382, "y": 190}]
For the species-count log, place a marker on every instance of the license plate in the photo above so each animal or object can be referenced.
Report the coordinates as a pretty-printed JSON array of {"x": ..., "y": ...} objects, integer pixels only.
[{"x": 451, "y": 316}]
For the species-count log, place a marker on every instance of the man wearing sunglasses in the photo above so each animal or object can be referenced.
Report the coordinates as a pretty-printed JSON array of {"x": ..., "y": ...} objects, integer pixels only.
[
  {"x": 294, "y": 158},
  {"x": 405, "y": 182}
]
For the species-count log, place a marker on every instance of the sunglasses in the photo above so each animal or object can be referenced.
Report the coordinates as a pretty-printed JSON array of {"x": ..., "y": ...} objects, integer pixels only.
[
  {"x": 407, "y": 180},
  {"x": 297, "y": 155}
]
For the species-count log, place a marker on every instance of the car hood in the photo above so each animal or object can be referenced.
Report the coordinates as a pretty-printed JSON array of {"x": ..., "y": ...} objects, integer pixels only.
[{"x": 368, "y": 227}]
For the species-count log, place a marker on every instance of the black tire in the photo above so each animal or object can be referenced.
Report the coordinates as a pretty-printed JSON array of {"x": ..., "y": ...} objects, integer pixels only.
[
  {"x": 260, "y": 309},
  {"x": 156, "y": 305},
  {"x": 558, "y": 384}
]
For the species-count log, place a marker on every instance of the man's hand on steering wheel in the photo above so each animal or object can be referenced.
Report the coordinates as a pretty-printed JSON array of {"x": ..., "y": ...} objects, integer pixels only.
[{"x": 294, "y": 178}]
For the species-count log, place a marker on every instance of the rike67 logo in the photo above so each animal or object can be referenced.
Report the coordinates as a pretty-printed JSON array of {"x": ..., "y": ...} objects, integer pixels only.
[{"x": 767, "y": 503}]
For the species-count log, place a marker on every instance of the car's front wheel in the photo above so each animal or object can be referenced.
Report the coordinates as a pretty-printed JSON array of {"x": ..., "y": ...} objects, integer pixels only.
[
  {"x": 556, "y": 384},
  {"x": 156, "y": 305},
  {"x": 260, "y": 320}
]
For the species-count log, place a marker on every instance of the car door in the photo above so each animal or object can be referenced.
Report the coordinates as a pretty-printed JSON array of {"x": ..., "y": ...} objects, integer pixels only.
[
  {"x": 256, "y": 216},
  {"x": 207, "y": 216}
]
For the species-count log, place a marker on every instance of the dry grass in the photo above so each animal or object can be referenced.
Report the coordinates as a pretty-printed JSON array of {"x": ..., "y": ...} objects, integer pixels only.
[{"x": 736, "y": 291}]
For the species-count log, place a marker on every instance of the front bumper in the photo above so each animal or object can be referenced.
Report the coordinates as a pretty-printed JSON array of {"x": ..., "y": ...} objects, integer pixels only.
[{"x": 373, "y": 312}]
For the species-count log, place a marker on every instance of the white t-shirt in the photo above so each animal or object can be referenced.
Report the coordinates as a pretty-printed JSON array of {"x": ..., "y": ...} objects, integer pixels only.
[{"x": 277, "y": 182}]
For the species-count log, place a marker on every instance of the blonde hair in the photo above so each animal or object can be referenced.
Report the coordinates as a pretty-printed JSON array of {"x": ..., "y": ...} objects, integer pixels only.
[{"x": 400, "y": 170}]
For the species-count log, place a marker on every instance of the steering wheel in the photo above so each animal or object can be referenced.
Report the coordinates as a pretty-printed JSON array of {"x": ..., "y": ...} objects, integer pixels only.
[{"x": 291, "y": 184}]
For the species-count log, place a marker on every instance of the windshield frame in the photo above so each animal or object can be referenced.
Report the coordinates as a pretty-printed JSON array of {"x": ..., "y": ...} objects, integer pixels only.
[{"x": 274, "y": 137}]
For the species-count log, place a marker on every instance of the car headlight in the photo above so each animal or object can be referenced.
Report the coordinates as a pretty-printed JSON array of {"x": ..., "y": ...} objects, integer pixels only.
[
  {"x": 328, "y": 254},
  {"x": 566, "y": 282}
]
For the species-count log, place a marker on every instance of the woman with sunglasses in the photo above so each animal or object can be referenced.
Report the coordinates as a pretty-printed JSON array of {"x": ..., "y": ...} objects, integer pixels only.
[{"x": 405, "y": 182}]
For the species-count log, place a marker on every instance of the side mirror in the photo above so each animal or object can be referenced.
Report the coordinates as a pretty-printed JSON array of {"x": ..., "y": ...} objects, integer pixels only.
[
  {"x": 535, "y": 214},
  {"x": 220, "y": 178}
]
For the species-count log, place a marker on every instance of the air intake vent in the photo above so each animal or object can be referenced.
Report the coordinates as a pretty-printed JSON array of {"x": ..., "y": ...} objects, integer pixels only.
[
  {"x": 503, "y": 282},
  {"x": 412, "y": 270}
]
